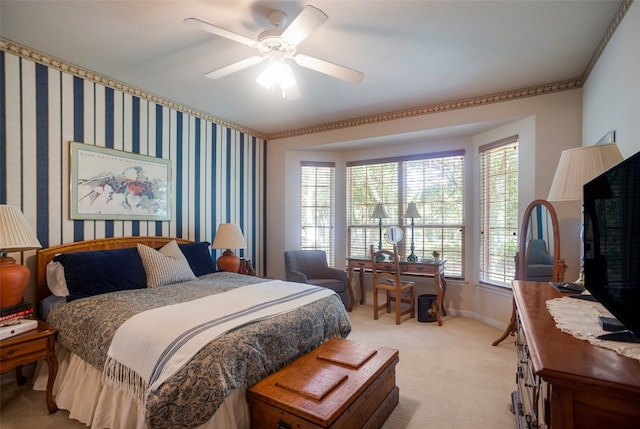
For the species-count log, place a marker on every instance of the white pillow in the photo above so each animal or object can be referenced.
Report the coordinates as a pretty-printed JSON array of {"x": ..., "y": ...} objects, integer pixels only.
[
  {"x": 55, "y": 279},
  {"x": 165, "y": 266}
]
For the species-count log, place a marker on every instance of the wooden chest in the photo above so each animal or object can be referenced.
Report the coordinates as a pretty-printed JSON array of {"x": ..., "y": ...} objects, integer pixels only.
[{"x": 341, "y": 384}]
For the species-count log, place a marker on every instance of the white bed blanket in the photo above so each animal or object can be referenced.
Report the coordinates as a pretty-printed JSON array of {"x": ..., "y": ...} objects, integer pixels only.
[{"x": 138, "y": 362}]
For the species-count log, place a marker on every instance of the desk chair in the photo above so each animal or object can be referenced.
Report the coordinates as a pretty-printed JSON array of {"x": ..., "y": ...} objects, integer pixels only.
[{"x": 386, "y": 277}]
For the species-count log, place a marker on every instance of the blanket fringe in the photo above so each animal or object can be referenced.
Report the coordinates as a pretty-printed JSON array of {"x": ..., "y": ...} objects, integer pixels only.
[{"x": 119, "y": 375}]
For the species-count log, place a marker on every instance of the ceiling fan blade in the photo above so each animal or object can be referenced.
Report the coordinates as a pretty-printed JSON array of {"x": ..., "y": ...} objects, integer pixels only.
[
  {"x": 331, "y": 69},
  {"x": 308, "y": 20},
  {"x": 218, "y": 31},
  {"x": 232, "y": 68}
]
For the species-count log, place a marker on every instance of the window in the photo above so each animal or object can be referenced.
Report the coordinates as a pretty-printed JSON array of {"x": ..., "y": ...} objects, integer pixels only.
[
  {"x": 435, "y": 182},
  {"x": 317, "y": 202},
  {"x": 498, "y": 211}
]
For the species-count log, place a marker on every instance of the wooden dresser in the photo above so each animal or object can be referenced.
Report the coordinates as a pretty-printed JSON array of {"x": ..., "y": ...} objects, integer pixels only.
[{"x": 564, "y": 382}]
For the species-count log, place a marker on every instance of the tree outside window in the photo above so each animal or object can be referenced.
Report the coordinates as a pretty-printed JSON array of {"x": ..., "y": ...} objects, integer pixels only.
[
  {"x": 435, "y": 182},
  {"x": 498, "y": 211},
  {"x": 317, "y": 203}
]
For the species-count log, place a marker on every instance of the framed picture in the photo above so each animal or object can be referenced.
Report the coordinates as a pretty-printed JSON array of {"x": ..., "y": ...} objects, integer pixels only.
[
  {"x": 113, "y": 184},
  {"x": 610, "y": 137}
]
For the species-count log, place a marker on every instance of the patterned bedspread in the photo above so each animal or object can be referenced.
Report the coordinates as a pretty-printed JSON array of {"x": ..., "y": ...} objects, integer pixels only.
[{"x": 238, "y": 359}]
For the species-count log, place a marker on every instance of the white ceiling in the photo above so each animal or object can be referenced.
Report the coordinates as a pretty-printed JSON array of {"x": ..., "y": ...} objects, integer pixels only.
[{"x": 413, "y": 53}]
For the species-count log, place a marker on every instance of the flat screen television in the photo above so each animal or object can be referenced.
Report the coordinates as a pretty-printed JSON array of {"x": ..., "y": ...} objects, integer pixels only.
[{"x": 612, "y": 241}]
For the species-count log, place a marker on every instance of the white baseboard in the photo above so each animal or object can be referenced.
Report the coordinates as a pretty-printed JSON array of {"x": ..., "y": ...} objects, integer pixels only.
[{"x": 484, "y": 319}]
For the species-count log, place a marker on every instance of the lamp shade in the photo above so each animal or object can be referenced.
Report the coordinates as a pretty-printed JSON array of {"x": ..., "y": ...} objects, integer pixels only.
[
  {"x": 578, "y": 166},
  {"x": 229, "y": 236},
  {"x": 412, "y": 211},
  {"x": 15, "y": 233},
  {"x": 15, "y": 236},
  {"x": 380, "y": 212}
]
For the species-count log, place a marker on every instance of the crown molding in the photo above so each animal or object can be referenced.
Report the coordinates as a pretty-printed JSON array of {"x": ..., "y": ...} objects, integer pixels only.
[
  {"x": 448, "y": 106},
  {"x": 622, "y": 10},
  {"x": 55, "y": 63},
  {"x": 548, "y": 88},
  {"x": 436, "y": 108}
]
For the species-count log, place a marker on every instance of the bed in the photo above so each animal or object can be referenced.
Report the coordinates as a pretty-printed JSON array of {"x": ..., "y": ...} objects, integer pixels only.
[{"x": 105, "y": 378}]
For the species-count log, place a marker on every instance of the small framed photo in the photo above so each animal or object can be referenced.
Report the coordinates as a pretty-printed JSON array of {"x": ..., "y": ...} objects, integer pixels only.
[
  {"x": 111, "y": 184},
  {"x": 610, "y": 137}
]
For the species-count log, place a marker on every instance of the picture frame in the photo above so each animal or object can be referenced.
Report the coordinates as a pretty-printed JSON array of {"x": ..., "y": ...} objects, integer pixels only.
[
  {"x": 111, "y": 184},
  {"x": 610, "y": 137}
]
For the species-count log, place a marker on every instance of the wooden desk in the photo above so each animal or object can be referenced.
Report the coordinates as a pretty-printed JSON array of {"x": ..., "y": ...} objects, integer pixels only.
[
  {"x": 573, "y": 384},
  {"x": 435, "y": 269}
]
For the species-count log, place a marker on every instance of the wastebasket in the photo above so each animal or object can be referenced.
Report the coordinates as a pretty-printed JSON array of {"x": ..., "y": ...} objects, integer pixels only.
[{"x": 427, "y": 306}]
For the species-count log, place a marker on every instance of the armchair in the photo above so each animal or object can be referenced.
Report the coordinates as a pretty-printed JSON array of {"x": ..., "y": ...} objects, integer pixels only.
[
  {"x": 310, "y": 266},
  {"x": 539, "y": 261}
]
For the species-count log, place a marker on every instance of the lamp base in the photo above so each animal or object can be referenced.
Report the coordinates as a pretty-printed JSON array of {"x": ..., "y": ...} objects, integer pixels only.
[
  {"x": 580, "y": 279},
  {"x": 13, "y": 281},
  {"x": 412, "y": 258},
  {"x": 228, "y": 262}
]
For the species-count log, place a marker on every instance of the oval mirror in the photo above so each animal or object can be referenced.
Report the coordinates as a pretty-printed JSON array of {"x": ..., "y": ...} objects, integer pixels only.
[
  {"x": 394, "y": 234},
  {"x": 538, "y": 255},
  {"x": 539, "y": 247}
]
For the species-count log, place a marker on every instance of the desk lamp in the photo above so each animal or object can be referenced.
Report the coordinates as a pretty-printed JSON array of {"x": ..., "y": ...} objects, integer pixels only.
[
  {"x": 379, "y": 213},
  {"x": 412, "y": 212},
  {"x": 15, "y": 236},
  {"x": 229, "y": 236}
]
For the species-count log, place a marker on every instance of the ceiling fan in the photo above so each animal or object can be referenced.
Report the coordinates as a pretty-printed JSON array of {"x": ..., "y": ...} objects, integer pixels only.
[{"x": 280, "y": 44}]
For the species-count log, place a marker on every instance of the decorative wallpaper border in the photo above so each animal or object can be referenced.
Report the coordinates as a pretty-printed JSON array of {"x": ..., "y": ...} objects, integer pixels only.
[
  {"x": 218, "y": 174},
  {"x": 55, "y": 63},
  {"x": 622, "y": 10},
  {"x": 547, "y": 88},
  {"x": 436, "y": 108}
]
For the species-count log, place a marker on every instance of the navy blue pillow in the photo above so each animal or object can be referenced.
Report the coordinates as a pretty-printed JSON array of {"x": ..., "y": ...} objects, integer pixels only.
[
  {"x": 101, "y": 271},
  {"x": 199, "y": 257}
]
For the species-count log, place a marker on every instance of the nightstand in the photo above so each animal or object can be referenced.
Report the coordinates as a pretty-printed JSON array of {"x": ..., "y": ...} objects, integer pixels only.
[{"x": 28, "y": 347}]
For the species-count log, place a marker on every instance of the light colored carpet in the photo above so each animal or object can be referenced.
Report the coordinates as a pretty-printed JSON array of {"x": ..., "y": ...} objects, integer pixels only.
[{"x": 450, "y": 377}]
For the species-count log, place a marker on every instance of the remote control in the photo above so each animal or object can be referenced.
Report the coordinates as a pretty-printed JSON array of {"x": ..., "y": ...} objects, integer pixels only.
[{"x": 567, "y": 287}]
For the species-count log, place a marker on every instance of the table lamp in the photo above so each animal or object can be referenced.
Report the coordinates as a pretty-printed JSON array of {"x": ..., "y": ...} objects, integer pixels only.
[
  {"x": 15, "y": 236},
  {"x": 379, "y": 213},
  {"x": 578, "y": 166},
  {"x": 412, "y": 212},
  {"x": 229, "y": 236}
]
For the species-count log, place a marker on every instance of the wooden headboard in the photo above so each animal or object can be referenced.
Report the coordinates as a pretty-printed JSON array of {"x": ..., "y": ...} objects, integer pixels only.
[{"x": 44, "y": 256}]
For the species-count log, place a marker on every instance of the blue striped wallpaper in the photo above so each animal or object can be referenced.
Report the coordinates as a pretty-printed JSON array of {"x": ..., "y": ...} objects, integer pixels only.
[{"x": 217, "y": 172}]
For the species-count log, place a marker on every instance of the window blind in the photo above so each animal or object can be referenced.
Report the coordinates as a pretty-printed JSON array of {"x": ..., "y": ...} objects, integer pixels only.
[
  {"x": 498, "y": 211},
  {"x": 435, "y": 182},
  {"x": 317, "y": 203}
]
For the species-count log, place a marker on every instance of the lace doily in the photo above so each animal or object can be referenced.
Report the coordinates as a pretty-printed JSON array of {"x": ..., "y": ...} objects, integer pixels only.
[{"x": 579, "y": 318}]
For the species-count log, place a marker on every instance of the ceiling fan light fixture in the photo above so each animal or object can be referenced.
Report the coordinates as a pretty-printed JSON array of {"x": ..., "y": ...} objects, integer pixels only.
[
  {"x": 278, "y": 45},
  {"x": 277, "y": 76}
]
